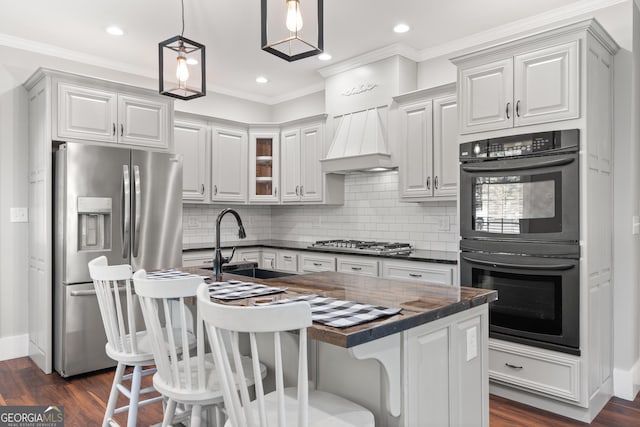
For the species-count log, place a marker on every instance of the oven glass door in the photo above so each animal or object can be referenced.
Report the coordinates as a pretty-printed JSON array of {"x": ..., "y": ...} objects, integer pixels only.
[
  {"x": 538, "y": 298},
  {"x": 527, "y": 199}
]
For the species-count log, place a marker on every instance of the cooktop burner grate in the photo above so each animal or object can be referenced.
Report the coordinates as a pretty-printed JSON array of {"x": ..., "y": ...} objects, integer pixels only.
[{"x": 364, "y": 246}]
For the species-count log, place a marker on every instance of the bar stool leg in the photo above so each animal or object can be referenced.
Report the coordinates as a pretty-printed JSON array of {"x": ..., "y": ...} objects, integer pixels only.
[
  {"x": 113, "y": 395},
  {"x": 136, "y": 378}
]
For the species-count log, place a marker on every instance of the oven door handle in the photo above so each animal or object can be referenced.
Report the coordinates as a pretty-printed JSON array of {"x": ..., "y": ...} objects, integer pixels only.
[
  {"x": 549, "y": 266},
  {"x": 503, "y": 166}
]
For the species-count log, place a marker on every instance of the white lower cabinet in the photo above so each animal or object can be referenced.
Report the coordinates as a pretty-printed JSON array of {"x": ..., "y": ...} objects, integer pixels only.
[
  {"x": 365, "y": 266},
  {"x": 313, "y": 263},
  {"x": 268, "y": 259},
  {"x": 443, "y": 274},
  {"x": 287, "y": 261},
  {"x": 542, "y": 371},
  {"x": 202, "y": 258},
  {"x": 445, "y": 371}
]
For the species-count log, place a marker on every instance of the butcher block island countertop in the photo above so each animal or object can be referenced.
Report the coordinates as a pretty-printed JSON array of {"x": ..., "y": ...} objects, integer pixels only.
[
  {"x": 433, "y": 353},
  {"x": 420, "y": 303}
]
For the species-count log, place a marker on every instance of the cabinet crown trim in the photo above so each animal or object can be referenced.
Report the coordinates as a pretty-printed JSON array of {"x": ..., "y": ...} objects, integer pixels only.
[
  {"x": 431, "y": 92},
  {"x": 506, "y": 47}
]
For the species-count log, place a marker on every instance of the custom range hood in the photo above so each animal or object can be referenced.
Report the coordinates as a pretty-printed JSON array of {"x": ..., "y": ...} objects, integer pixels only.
[{"x": 358, "y": 99}]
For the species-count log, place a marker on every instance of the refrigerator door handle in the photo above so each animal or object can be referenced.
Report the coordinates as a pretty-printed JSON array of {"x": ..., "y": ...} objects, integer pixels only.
[
  {"x": 137, "y": 190},
  {"x": 126, "y": 207}
]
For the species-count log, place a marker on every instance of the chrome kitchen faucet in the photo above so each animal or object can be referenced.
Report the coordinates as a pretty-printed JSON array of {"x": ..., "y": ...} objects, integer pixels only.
[{"x": 218, "y": 259}]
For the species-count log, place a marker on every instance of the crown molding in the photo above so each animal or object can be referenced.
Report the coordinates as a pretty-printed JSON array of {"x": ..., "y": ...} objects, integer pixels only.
[
  {"x": 496, "y": 34},
  {"x": 369, "y": 57},
  {"x": 318, "y": 87}
]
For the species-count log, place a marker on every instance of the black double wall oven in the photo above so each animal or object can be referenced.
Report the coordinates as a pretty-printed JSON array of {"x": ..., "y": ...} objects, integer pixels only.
[{"x": 520, "y": 229}]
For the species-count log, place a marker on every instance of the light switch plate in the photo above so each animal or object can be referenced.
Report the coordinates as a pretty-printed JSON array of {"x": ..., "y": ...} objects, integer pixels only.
[
  {"x": 472, "y": 343},
  {"x": 636, "y": 225},
  {"x": 19, "y": 215},
  {"x": 443, "y": 223}
]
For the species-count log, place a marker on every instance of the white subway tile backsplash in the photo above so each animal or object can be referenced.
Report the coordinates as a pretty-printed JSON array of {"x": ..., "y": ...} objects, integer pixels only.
[{"x": 372, "y": 211}]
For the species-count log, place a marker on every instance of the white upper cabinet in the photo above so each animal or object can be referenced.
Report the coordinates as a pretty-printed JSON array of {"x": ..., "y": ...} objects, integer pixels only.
[
  {"x": 417, "y": 156},
  {"x": 311, "y": 177},
  {"x": 290, "y": 171},
  {"x": 229, "y": 158},
  {"x": 429, "y": 144},
  {"x": 142, "y": 121},
  {"x": 301, "y": 172},
  {"x": 445, "y": 146},
  {"x": 546, "y": 85},
  {"x": 190, "y": 140},
  {"x": 535, "y": 87},
  {"x": 487, "y": 91},
  {"x": 94, "y": 114},
  {"x": 85, "y": 113},
  {"x": 264, "y": 166}
]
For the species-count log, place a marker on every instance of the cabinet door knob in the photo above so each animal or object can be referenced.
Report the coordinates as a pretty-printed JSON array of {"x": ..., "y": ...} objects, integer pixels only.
[
  {"x": 215, "y": 190},
  {"x": 302, "y": 190},
  {"x": 435, "y": 182},
  {"x": 297, "y": 190},
  {"x": 113, "y": 128},
  {"x": 201, "y": 188},
  {"x": 428, "y": 183},
  {"x": 518, "y": 108},
  {"x": 275, "y": 191},
  {"x": 121, "y": 129},
  {"x": 507, "y": 110}
]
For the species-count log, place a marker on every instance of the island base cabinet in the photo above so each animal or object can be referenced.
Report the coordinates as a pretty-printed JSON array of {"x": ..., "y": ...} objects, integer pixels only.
[{"x": 445, "y": 372}]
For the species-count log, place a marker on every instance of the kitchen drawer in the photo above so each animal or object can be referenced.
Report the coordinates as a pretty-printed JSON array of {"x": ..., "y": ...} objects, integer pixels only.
[
  {"x": 197, "y": 259},
  {"x": 287, "y": 261},
  {"x": 311, "y": 263},
  {"x": 546, "y": 372},
  {"x": 424, "y": 272},
  {"x": 357, "y": 265}
]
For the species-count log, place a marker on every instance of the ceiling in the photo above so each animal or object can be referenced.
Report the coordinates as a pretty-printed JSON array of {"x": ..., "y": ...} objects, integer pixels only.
[{"x": 230, "y": 30}]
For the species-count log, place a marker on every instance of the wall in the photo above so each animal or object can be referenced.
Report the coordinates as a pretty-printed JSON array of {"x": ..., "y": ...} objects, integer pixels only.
[
  {"x": 199, "y": 223},
  {"x": 305, "y": 106},
  {"x": 435, "y": 72}
]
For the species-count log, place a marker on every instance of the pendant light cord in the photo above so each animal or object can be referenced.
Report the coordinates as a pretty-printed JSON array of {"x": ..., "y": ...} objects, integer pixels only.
[{"x": 182, "y": 33}]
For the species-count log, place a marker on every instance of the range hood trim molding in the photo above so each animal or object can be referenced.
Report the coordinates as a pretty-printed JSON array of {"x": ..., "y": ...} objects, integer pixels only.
[{"x": 360, "y": 162}]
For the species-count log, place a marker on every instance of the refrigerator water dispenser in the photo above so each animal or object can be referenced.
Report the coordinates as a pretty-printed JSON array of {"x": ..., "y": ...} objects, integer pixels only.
[{"x": 94, "y": 223}]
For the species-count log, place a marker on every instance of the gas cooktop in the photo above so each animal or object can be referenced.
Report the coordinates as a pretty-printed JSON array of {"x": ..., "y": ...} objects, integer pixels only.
[{"x": 363, "y": 247}]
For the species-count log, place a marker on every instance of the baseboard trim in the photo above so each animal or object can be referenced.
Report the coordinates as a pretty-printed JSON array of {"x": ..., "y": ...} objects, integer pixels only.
[
  {"x": 626, "y": 383},
  {"x": 14, "y": 347}
]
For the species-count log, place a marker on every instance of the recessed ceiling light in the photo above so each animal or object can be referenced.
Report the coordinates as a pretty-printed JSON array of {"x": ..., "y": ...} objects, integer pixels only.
[
  {"x": 261, "y": 79},
  {"x": 324, "y": 57},
  {"x": 114, "y": 31},
  {"x": 192, "y": 61},
  {"x": 401, "y": 28}
]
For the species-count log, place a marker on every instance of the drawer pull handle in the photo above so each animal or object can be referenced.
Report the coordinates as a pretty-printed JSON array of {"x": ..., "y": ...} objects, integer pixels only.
[
  {"x": 513, "y": 366},
  {"x": 356, "y": 268},
  {"x": 209, "y": 261},
  {"x": 317, "y": 264},
  {"x": 287, "y": 257},
  {"x": 415, "y": 275}
]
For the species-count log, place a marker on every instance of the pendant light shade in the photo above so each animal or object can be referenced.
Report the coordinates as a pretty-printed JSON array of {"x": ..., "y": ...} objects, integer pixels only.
[
  {"x": 292, "y": 29},
  {"x": 182, "y": 67}
]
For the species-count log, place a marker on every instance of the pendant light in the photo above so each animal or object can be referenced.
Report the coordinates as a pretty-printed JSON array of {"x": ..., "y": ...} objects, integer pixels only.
[
  {"x": 289, "y": 29},
  {"x": 182, "y": 66}
]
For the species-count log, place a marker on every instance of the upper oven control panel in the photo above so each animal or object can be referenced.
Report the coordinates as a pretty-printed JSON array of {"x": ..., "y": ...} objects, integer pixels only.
[{"x": 520, "y": 145}]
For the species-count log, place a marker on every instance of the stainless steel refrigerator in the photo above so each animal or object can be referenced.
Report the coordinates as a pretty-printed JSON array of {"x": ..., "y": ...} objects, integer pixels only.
[{"x": 121, "y": 203}]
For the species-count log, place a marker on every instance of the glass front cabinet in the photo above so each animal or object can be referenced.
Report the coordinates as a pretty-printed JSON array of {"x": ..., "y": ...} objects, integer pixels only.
[{"x": 264, "y": 165}]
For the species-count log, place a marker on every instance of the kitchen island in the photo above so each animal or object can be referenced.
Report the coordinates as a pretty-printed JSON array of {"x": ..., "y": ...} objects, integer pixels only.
[{"x": 426, "y": 366}]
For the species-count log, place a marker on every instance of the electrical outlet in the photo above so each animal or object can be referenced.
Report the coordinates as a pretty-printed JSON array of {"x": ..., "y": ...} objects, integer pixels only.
[
  {"x": 635, "y": 225},
  {"x": 19, "y": 215},
  {"x": 316, "y": 222},
  {"x": 472, "y": 343},
  {"x": 443, "y": 223}
]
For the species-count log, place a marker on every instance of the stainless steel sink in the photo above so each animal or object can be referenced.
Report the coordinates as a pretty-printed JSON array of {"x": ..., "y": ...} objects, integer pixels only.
[{"x": 258, "y": 273}]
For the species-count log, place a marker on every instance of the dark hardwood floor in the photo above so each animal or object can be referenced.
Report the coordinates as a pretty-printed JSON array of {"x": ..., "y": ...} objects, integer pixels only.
[{"x": 84, "y": 398}]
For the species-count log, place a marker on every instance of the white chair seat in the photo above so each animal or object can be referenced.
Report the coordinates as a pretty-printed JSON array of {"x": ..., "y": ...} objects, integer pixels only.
[{"x": 325, "y": 410}]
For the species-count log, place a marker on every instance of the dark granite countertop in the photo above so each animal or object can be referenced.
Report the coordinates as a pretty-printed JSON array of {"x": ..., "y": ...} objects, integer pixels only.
[
  {"x": 420, "y": 303},
  {"x": 443, "y": 257}
]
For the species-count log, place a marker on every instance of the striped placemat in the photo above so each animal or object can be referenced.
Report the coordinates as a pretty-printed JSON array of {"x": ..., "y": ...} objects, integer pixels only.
[
  {"x": 341, "y": 313},
  {"x": 235, "y": 289},
  {"x": 171, "y": 274}
]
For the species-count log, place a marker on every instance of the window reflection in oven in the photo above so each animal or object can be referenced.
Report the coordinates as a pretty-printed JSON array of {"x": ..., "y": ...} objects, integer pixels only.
[
  {"x": 531, "y": 303},
  {"x": 517, "y": 204}
]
